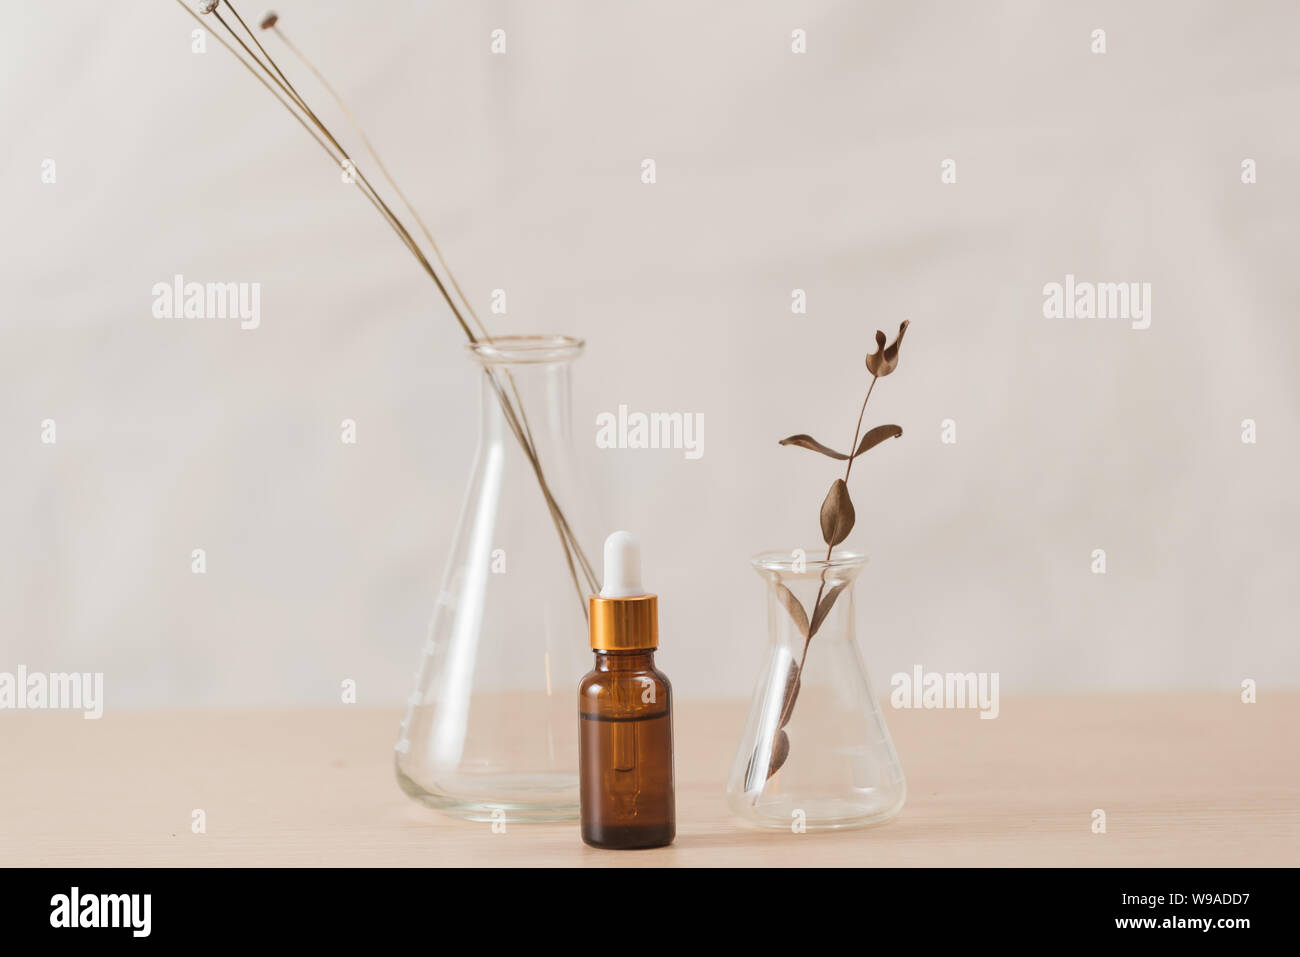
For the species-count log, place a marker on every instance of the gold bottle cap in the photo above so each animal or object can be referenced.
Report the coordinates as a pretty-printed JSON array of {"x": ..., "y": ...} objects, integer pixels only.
[
  {"x": 624, "y": 624},
  {"x": 624, "y": 617}
]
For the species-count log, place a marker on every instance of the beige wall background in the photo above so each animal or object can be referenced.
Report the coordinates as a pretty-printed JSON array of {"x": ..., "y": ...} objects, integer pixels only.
[{"x": 775, "y": 171}]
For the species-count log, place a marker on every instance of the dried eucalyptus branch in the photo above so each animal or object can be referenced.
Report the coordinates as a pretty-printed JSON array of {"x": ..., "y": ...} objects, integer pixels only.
[
  {"x": 264, "y": 68},
  {"x": 837, "y": 521}
]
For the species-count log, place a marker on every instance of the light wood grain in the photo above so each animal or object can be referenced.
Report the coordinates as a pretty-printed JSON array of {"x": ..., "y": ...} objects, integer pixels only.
[{"x": 1184, "y": 779}]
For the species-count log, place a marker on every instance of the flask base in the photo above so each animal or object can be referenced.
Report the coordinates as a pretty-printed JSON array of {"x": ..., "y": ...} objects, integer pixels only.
[
  {"x": 516, "y": 798},
  {"x": 818, "y": 814}
]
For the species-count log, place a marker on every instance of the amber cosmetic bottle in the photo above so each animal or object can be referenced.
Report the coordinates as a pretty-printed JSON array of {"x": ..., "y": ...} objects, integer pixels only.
[{"x": 625, "y": 738}]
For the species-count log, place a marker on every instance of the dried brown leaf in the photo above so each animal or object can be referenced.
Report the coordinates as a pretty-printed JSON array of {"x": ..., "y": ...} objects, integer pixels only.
[
  {"x": 780, "y": 741},
  {"x": 788, "y": 696},
  {"x": 791, "y": 604},
  {"x": 876, "y": 436},
  {"x": 824, "y": 606},
  {"x": 885, "y": 359},
  {"x": 837, "y": 514},
  {"x": 808, "y": 442},
  {"x": 780, "y": 751}
]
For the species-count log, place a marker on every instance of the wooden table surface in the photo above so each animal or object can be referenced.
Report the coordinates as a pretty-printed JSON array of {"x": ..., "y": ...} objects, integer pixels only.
[{"x": 1184, "y": 779}]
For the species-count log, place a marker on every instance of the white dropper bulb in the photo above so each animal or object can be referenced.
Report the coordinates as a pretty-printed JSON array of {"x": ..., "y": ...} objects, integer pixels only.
[{"x": 622, "y": 567}]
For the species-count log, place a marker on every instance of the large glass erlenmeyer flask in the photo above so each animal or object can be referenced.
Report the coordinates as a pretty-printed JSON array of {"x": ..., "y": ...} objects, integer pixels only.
[
  {"x": 491, "y": 729},
  {"x": 815, "y": 752}
]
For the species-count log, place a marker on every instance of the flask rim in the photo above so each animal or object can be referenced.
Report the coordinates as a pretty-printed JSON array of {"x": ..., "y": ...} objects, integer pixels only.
[
  {"x": 521, "y": 350},
  {"x": 784, "y": 563}
]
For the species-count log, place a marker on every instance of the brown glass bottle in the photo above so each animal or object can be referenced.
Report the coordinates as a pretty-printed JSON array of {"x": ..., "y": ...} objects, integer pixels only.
[
  {"x": 625, "y": 752},
  {"x": 625, "y": 714}
]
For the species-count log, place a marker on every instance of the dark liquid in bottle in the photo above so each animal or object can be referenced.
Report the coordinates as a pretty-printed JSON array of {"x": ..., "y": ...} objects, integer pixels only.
[{"x": 626, "y": 754}]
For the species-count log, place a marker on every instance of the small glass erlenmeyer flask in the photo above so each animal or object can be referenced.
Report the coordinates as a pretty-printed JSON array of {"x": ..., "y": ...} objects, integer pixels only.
[
  {"x": 815, "y": 751},
  {"x": 491, "y": 729}
]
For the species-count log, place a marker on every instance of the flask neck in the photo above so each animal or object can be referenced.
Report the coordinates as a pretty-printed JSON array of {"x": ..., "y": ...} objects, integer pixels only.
[
  {"x": 542, "y": 391},
  {"x": 526, "y": 379}
]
